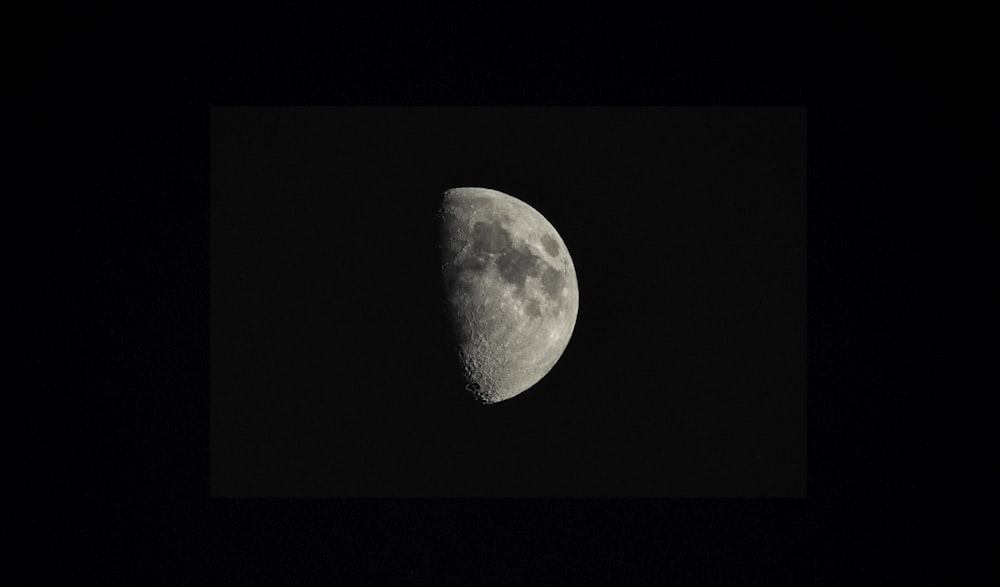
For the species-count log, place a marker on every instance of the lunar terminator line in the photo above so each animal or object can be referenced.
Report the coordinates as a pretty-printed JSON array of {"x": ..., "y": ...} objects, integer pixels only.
[{"x": 511, "y": 290}]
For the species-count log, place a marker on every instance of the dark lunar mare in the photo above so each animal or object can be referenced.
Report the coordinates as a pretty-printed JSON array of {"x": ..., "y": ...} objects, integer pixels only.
[
  {"x": 490, "y": 237},
  {"x": 516, "y": 265},
  {"x": 550, "y": 244},
  {"x": 553, "y": 281}
]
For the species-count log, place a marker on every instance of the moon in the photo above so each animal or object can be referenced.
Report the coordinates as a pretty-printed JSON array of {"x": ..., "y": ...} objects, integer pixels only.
[{"x": 510, "y": 288}]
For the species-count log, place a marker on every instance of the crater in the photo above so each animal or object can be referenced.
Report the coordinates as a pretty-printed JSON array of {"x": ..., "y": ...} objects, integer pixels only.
[
  {"x": 465, "y": 205},
  {"x": 459, "y": 286},
  {"x": 533, "y": 308},
  {"x": 550, "y": 244},
  {"x": 490, "y": 237}
]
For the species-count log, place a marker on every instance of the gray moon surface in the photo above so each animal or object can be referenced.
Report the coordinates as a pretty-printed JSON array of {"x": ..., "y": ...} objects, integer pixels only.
[{"x": 510, "y": 287}]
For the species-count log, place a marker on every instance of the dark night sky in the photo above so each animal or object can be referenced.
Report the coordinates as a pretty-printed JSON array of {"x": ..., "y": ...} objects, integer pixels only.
[
  {"x": 336, "y": 384},
  {"x": 685, "y": 375}
]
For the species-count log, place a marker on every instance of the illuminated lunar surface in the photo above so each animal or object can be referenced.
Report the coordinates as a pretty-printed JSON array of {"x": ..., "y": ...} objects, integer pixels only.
[{"x": 511, "y": 290}]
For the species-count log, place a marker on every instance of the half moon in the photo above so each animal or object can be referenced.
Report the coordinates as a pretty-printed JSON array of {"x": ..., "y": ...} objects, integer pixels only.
[{"x": 510, "y": 287}]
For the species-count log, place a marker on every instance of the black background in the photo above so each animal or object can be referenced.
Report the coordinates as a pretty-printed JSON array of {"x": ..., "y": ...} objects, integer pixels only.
[
  {"x": 685, "y": 376},
  {"x": 110, "y": 114}
]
